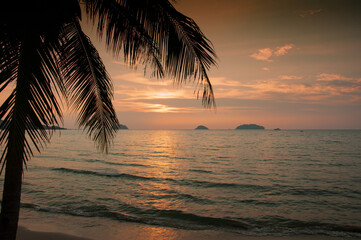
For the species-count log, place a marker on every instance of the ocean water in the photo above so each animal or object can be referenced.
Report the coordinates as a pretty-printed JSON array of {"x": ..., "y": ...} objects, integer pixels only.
[{"x": 254, "y": 182}]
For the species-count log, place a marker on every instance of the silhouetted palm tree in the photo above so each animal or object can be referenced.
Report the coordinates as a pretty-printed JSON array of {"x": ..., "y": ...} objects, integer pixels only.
[{"x": 44, "y": 55}]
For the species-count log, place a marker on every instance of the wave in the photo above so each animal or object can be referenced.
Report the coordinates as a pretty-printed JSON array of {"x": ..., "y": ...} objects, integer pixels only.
[
  {"x": 113, "y": 175},
  {"x": 116, "y": 163},
  {"x": 179, "y": 219},
  {"x": 192, "y": 182},
  {"x": 172, "y": 194},
  {"x": 267, "y": 190},
  {"x": 168, "y": 218},
  {"x": 304, "y": 191},
  {"x": 200, "y": 171}
]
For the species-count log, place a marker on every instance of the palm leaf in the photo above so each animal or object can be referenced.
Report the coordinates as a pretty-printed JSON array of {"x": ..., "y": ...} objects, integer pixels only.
[
  {"x": 8, "y": 61},
  {"x": 123, "y": 31},
  {"x": 88, "y": 85},
  {"x": 32, "y": 104},
  {"x": 189, "y": 53},
  {"x": 183, "y": 49}
]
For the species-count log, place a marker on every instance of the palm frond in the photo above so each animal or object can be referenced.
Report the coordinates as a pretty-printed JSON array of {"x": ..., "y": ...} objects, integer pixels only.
[
  {"x": 8, "y": 61},
  {"x": 184, "y": 51},
  {"x": 32, "y": 104},
  {"x": 123, "y": 31},
  {"x": 189, "y": 53},
  {"x": 88, "y": 85}
]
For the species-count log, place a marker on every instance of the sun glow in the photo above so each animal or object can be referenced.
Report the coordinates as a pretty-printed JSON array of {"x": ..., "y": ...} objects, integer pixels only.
[{"x": 163, "y": 108}]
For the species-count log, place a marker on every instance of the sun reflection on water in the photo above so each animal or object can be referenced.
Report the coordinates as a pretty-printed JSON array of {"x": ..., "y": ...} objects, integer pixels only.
[
  {"x": 160, "y": 233},
  {"x": 165, "y": 166}
]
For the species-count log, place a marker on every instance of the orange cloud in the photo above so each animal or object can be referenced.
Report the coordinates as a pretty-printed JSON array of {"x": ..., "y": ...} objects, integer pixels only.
[
  {"x": 290, "y": 77},
  {"x": 265, "y": 54},
  {"x": 139, "y": 78},
  {"x": 283, "y": 50},
  {"x": 139, "y": 106},
  {"x": 143, "y": 95},
  {"x": 332, "y": 77},
  {"x": 298, "y": 89},
  {"x": 133, "y": 93},
  {"x": 222, "y": 81}
]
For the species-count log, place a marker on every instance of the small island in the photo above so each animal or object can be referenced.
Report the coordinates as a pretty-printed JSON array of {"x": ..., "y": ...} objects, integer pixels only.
[
  {"x": 120, "y": 126},
  {"x": 52, "y": 127},
  {"x": 201, "y": 127},
  {"x": 250, "y": 127}
]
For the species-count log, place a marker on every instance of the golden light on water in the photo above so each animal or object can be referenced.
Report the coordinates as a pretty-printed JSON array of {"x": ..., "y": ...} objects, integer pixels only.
[
  {"x": 160, "y": 233},
  {"x": 162, "y": 158},
  {"x": 162, "y": 154}
]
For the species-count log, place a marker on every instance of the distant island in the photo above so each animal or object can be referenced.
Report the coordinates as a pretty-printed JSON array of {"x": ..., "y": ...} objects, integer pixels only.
[
  {"x": 201, "y": 127},
  {"x": 121, "y": 126},
  {"x": 54, "y": 128},
  {"x": 45, "y": 127},
  {"x": 249, "y": 126}
]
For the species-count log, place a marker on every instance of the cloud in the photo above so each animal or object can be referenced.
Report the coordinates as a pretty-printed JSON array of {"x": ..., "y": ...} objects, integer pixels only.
[
  {"x": 265, "y": 54},
  {"x": 265, "y": 69},
  {"x": 310, "y": 12},
  {"x": 332, "y": 77},
  {"x": 133, "y": 94},
  {"x": 283, "y": 50},
  {"x": 139, "y": 94},
  {"x": 222, "y": 81},
  {"x": 159, "y": 108},
  {"x": 142, "y": 106},
  {"x": 324, "y": 89},
  {"x": 139, "y": 78},
  {"x": 290, "y": 77}
]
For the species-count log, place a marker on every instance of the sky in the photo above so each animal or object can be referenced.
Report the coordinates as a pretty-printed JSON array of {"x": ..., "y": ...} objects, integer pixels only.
[
  {"x": 289, "y": 64},
  {"x": 281, "y": 64}
]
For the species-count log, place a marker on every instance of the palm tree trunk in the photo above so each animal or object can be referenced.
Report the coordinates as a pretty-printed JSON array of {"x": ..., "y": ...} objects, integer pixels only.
[{"x": 10, "y": 206}]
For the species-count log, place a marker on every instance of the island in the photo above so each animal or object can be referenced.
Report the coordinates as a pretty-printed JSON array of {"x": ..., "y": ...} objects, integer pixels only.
[
  {"x": 250, "y": 127},
  {"x": 120, "y": 126},
  {"x": 53, "y": 127},
  {"x": 201, "y": 127}
]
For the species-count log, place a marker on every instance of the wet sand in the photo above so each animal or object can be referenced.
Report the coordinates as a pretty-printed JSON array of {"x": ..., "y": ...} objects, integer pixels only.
[{"x": 140, "y": 232}]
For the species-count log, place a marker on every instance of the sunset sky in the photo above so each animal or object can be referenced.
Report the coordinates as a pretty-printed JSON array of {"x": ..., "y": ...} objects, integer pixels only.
[
  {"x": 289, "y": 64},
  {"x": 286, "y": 64}
]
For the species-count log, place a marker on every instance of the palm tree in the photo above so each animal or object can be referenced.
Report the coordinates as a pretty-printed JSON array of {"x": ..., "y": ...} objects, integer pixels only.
[{"x": 45, "y": 56}]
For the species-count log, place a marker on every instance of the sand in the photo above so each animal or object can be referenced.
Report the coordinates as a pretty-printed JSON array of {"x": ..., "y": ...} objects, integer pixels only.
[
  {"x": 139, "y": 232},
  {"x": 26, "y": 234}
]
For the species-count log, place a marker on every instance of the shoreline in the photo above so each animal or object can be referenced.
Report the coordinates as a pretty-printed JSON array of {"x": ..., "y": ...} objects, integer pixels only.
[
  {"x": 34, "y": 225},
  {"x": 26, "y": 234},
  {"x": 139, "y": 232}
]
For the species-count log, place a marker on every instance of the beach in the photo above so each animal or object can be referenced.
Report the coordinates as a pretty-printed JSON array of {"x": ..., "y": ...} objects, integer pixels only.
[
  {"x": 138, "y": 232},
  {"x": 26, "y": 234}
]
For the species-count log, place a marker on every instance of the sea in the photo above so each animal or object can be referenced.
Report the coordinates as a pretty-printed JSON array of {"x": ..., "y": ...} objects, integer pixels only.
[{"x": 253, "y": 182}]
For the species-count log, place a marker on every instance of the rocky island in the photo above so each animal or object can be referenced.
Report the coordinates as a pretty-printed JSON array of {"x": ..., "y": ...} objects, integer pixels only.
[
  {"x": 250, "y": 127},
  {"x": 201, "y": 127},
  {"x": 120, "y": 126},
  {"x": 53, "y": 127}
]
